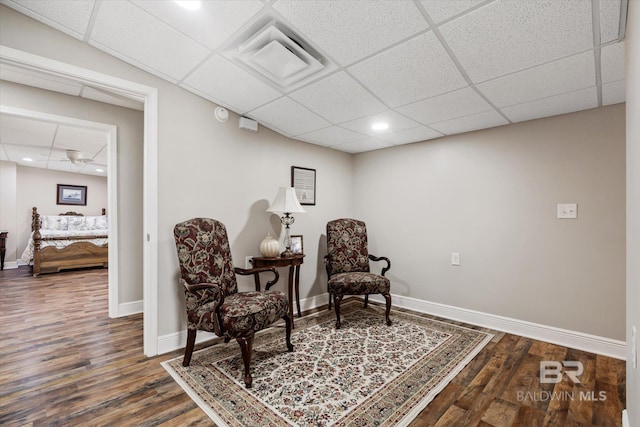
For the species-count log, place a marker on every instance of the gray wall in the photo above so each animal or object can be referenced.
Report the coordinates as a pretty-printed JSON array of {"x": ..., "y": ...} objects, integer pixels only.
[
  {"x": 491, "y": 195},
  {"x": 633, "y": 207}
]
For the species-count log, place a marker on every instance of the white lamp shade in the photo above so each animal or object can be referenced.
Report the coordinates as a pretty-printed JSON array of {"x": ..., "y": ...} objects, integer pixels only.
[{"x": 286, "y": 202}]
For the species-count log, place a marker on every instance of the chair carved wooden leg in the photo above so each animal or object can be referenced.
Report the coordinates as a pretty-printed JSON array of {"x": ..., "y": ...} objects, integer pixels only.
[
  {"x": 366, "y": 300},
  {"x": 337, "y": 299},
  {"x": 188, "y": 350},
  {"x": 246, "y": 346},
  {"x": 387, "y": 297},
  {"x": 287, "y": 321}
]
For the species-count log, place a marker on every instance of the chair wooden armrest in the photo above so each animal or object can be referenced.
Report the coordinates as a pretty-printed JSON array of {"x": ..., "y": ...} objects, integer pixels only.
[
  {"x": 208, "y": 292},
  {"x": 198, "y": 286},
  {"x": 256, "y": 272},
  {"x": 381, "y": 258}
]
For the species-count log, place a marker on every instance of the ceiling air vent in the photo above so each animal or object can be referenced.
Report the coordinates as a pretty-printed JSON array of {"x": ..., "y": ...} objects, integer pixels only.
[{"x": 278, "y": 57}]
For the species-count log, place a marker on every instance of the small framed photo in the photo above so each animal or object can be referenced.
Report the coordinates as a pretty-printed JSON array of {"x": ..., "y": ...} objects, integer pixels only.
[
  {"x": 297, "y": 246},
  {"x": 72, "y": 195}
]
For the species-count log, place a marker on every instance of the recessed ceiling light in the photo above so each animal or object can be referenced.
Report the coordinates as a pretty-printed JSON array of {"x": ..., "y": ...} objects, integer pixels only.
[
  {"x": 99, "y": 170},
  {"x": 380, "y": 126},
  {"x": 27, "y": 159},
  {"x": 189, "y": 4}
]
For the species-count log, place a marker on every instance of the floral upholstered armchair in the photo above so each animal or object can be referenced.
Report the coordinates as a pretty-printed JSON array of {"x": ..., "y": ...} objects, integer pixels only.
[
  {"x": 347, "y": 263},
  {"x": 213, "y": 301}
]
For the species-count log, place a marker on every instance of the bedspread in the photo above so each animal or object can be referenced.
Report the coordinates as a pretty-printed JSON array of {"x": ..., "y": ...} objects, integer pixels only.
[{"x": 51, "y": 235}]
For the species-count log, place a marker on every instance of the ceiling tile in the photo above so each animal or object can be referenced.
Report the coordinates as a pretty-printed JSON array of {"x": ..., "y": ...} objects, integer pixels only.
[
  {"x": 351, "y": 30},
  {"x": 127, "y": 32},
  {"x": 560, "y": 104},
  {"x": 25, "y": 131},
  {"x": 421, "y": 133},
  {"x": 612, "y": 62},
  {"x": 470, "y": 123},
  {"x": 441, "y": 10},
  {"x": 227, "y": 84},
  {"x": 16, "y": 153},
  {"x": 417, "y": 69},
  {"x": 564, "y": 75},
  {"x": 338, "y": 98},
  {"x": 613, "y": 93},
  {"x": 462, "y": 102},
  {"x": 211, "y": 25},
  {"x": 395, "y": 121},
  {"x": 331, "y": 136},
  {"x": 287, "y": 114},
  {"x": 609, "y": 20},
  {"x": 69, "y": 16},
  {"x": 363, "y": 145},
  {"x": 88, "y": 141},
  {"x": 507, "y": 36}
]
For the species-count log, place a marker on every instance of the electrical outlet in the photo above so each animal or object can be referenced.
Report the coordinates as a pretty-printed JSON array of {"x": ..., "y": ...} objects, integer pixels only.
[
  {"x": 247, "y": 262},
  {"x": 567, "y": 210},
  {"x": 455, "y": 258}
]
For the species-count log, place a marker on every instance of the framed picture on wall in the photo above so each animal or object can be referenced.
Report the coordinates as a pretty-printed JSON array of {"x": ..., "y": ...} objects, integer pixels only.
[
  {"x": 297, "y": 247},
  {"x": 304, "y": 181},
  {"x": 72, "y": 195}
]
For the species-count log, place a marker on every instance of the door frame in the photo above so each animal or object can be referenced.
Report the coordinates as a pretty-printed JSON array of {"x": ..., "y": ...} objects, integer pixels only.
[{"x": 149, "y": 96}]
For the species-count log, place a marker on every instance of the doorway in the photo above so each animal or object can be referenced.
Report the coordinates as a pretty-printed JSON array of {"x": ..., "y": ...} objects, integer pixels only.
[{"x": 148, "y": 95}]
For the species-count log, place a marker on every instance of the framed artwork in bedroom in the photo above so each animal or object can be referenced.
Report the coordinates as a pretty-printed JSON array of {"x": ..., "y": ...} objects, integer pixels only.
[{"x": 72, "y": 195}]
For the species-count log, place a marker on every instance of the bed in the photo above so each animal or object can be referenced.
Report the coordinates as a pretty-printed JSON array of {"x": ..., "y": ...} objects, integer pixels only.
[{"x": 65, "y": 241}]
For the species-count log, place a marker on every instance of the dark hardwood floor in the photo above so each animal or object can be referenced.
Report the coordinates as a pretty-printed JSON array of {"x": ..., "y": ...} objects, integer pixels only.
[{"x": 64, "y": 362}]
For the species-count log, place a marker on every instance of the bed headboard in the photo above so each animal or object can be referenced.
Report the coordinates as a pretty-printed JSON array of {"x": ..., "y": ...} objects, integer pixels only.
[{"x": 35, "y": 217}]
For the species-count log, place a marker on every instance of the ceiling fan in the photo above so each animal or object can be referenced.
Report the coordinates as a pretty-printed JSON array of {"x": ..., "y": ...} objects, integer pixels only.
[{"x": 77, "y": 157}]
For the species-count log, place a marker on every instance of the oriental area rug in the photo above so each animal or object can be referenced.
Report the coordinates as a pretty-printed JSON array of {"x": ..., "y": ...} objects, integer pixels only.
[{"x": 364, "y": 374}]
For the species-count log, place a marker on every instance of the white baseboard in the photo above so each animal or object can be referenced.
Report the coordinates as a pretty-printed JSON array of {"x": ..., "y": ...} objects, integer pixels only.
[
  {"x": 128, "y": 308},
  {"x": 625, "y": 419},
  {"x": 578, "y": 340},
  {"x": 573, "y": 339},
  {"x": 10, "y": 265},
  {"x": 178, "y": 340}
]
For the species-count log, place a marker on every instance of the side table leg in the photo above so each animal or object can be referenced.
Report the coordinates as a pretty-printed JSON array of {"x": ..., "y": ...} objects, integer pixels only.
[
  {"x": 291, "y": 296},
  {"x": 298, "y": 289}
]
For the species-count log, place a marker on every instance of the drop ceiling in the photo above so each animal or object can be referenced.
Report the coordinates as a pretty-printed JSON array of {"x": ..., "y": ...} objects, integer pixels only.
[
  {"x": 49, "y": 144},
  {"x": 428, "y": 68}
]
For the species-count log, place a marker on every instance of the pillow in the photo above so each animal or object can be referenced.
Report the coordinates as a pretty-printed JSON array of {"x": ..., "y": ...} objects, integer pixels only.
[
  {"x": 76, "y": 223},
  {"x": 102, "y": 223},
  {"x": 96, "y": 222},
  {"x": 53, "y": 222}
]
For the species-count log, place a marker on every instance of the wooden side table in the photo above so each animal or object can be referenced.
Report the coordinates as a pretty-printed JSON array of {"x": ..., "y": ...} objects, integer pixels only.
[
  {"x": 3, "y": 249},
  {"x": 293, "y": 262}
]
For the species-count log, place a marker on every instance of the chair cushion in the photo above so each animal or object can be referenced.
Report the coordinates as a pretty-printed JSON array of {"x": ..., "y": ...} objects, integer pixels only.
[
  {"x": 244, "y": 313},
  {"x": 358, "y": 283}
]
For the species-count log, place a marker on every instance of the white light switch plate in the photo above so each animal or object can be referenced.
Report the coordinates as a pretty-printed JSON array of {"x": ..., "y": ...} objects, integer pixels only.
[
  {"x": 455, "y": 258},
  {"x": 567, "y": 210}
]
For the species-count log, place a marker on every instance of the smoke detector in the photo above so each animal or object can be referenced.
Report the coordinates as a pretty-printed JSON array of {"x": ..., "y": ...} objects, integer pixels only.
[{"x": 278, "y": 57}]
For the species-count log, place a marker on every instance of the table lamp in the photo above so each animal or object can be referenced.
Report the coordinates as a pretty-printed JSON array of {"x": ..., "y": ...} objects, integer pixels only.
[{"x": 286, "y": 203}]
